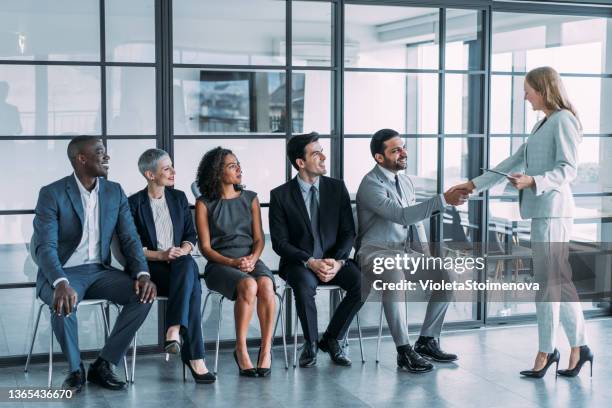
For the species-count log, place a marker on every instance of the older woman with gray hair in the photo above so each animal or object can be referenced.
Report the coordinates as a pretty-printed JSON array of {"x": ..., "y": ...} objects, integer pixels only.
[{"x": 163, "y": 220}]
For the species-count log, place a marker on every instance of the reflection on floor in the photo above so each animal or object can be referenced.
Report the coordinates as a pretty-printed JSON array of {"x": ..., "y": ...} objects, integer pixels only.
[{"x": 486, "y": 375}]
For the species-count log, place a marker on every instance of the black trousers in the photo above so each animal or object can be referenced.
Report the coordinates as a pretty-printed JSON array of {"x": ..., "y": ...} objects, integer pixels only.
[
  {"x": 304, "y": 283},
  {"x": 180, "y": 282}
]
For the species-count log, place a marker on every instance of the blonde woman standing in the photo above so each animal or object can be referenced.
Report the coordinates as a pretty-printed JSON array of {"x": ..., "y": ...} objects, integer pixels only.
[{"x": 549, "y": 161}]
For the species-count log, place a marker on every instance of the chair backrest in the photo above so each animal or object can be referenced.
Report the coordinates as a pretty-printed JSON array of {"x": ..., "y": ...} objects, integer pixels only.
[
  {"x": 116, "y": 252},
  {"x": 33, "y": 251},
  {"x": 195, "y": 190}
]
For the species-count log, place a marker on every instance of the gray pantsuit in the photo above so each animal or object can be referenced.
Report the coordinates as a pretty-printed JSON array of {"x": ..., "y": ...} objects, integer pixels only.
[
  {"x": 550, "y": 156},
  {"x": 389, "y": 223}
]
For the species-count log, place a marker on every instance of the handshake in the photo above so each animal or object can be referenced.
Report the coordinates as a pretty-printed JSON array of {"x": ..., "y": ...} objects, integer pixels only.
[{"x": 459, "y": 194}]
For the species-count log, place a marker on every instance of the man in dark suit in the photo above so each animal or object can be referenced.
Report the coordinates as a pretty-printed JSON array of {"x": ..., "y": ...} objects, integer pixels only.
[
  {"x": 76, "y": 218},
  {"x": 312, "y": 229}
]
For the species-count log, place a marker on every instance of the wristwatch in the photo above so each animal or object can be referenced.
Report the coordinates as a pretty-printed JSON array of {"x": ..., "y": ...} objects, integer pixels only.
[{"x": 306, "y": 263}]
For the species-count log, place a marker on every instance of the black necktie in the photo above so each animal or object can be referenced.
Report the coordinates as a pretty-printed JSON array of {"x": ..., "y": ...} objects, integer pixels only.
[{"x": 317, "y": 252}]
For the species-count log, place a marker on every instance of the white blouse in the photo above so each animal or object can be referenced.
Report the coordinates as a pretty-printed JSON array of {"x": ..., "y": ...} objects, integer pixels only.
[{"x": 163, "y": 223}]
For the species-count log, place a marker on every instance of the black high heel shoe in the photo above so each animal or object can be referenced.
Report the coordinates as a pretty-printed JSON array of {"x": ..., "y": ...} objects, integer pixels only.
[
  {"x": 172, "y": 347},
  {"x": 207, "y": 378},
  {"x": 248, "y": 372},
  {"x": 551, "y": 358},
  {"x": 262, "y": 371},
  {"x": 585, "y": 355}
]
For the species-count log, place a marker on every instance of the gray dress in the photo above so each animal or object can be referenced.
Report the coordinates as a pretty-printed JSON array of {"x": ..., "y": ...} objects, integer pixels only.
[{"x": 230, "y": 223}]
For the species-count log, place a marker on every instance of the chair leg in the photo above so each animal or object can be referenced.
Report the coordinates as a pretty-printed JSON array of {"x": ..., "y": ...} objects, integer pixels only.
[
  {"x": 295, "y": 330},
  {"x": 105, "y": 320},
  {"x": 204, "y": 309},
  {"x": 125, "y": 364},
  {"x": 360, "y": 338},
  {"x": 134, "y": 357},
  {"x": 34, "y": 337},
  {"x": 345, "y": 341},
  {"x": 282, "y": 322},
  {"x": 50, "y": 354},
  {"x": 379, "y": 332},
  {"x": 281, "y": 318},
  {"x": 218, "y": 334}
]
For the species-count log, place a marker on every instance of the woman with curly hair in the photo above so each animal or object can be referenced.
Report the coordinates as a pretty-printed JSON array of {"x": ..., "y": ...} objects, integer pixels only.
[{"x": 228, "y": 220}]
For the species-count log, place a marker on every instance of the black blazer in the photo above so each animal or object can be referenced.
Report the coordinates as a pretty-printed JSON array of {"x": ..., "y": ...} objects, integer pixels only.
[
  {"x": 290, "y": 228},
  {"x": 178, "y": 206}
]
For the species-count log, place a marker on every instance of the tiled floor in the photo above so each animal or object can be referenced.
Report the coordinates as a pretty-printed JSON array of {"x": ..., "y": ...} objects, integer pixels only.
[{"x": 486, "y": 375}]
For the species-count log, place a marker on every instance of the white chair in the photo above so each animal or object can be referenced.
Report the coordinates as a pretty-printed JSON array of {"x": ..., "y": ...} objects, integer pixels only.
[
  {"x": 103, "y": 303},
  {"x": 328, "y": 288}
]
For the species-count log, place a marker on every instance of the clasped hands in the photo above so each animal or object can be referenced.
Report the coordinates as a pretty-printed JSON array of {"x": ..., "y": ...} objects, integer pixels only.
[
  {"x": 173, "y": 253},
  {"x": 324, "y": 269},
  {"x": 246, "y": 263}
]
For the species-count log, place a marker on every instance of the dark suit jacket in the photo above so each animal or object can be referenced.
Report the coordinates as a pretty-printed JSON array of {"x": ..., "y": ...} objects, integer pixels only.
[
  {"x": 178, "y": 206},
  {"x": 58, "y": 228},
  {"x": 290, "y": 228}
]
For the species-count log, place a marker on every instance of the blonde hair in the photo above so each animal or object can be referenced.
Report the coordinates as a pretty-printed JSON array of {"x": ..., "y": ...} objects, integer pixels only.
[{"x": 547, "y": 82}]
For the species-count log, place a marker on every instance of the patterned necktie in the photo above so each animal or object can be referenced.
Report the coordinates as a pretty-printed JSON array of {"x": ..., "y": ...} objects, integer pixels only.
[{"x": 314, "y": 223}]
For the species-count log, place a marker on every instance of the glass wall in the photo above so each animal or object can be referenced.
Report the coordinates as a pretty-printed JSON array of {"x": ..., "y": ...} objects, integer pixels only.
[
  {"x": 579, "y": 48},
  {"x": 248, "y": 74},
  {"x": 62, "y": 74}
]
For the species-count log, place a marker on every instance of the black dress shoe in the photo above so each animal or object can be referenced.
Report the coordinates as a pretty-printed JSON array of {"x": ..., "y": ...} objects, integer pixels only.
[
  {"x": 410, "y": 360},
  {"x": 308, "y": 357},
  {"x": 331, "y": 346},
  {"x": 429, "y": 347},
  {"x": 101, "y": 373},
  {"x": 75, "y": 380},
  {"x": 585, "y": 355},
  {"x": 551, "y": 358}
]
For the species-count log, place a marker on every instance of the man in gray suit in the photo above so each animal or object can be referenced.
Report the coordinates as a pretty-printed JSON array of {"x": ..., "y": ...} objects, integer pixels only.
[
  {"x": 390, "y": 224},
  {"x": 75, "y": 220}
]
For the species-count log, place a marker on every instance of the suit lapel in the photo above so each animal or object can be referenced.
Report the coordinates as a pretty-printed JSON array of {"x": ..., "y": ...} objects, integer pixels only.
[
  {"x": 75, "y": 198},
  {"x": 382, "y": 177},
  {"x": 325, "y": 202},
  {"x": 147, "y": 217},
  {"x": 407, "y": 189},
  {"x": 175, "y": 215},
  {"x": 296, "y": 194}
]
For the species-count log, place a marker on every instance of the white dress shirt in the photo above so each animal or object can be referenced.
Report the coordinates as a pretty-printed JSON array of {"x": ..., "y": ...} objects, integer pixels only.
[{"x": 88, "y": 250}]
